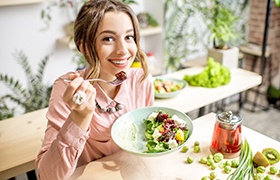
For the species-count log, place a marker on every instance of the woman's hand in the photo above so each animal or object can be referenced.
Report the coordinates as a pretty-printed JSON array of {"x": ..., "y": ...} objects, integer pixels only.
[{"x": 82, "y": 113}]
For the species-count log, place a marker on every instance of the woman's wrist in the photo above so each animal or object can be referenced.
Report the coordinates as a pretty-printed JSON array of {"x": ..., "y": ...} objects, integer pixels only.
[{"x": 80, "y": 119}]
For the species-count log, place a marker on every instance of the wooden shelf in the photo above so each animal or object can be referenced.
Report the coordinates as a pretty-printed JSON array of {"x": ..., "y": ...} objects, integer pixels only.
[
  {"x": 254, "y": 50},
  {"x": 150, "y": 31},
  {"x": 18, "y": 2},
  {"x": 143, "y": 32}
]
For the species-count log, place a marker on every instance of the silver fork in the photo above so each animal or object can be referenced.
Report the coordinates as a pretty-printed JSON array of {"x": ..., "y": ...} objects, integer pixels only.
[{"x": 114, "y": 82}]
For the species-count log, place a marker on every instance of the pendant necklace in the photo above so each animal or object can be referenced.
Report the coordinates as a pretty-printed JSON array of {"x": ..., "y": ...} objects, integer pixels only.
[{"x": 110, "y": 108}]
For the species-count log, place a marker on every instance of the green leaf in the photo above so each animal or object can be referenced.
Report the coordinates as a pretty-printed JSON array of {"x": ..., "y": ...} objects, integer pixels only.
[
  {"x": 277, "y": 3},
  {"x": 35, "y": 95}
]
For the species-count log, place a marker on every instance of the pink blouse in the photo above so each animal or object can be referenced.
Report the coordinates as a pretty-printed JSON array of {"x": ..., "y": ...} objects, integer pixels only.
[{"x": 66, "y": 146}]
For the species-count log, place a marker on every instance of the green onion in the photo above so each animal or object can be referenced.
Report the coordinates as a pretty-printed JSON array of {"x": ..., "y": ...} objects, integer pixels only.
[{"x": 246, "y": 166}]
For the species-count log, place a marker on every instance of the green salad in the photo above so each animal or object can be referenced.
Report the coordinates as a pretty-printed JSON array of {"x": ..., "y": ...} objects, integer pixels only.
[{"x": 164, "y": 132}]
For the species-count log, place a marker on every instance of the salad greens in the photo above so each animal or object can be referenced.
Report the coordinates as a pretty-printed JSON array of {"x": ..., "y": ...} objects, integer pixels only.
[
  {"x": 164, "y": 132},
  {"x": 213, "y": 75}
]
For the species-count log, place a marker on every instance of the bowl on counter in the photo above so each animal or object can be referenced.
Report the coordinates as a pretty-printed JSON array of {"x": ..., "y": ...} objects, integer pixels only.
[{"x": 168, "y": 87}]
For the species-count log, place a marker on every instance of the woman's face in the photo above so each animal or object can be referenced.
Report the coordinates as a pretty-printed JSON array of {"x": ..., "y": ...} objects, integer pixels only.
[{"x": 115, "y": 44}]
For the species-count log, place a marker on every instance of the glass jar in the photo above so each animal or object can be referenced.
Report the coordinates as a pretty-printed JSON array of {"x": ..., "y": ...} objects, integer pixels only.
[{"x": 227, "y": 137}]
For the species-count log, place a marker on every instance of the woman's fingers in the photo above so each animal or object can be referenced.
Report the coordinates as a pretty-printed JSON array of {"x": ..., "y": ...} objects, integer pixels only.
[
  {"x": 72, "y": 76},
  {"x": 80, "y": 95},
  {"x": 73, "y": 87}
]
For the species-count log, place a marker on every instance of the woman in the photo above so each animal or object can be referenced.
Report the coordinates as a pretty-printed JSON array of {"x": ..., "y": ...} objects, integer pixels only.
[{"x": 106, "y": 32}]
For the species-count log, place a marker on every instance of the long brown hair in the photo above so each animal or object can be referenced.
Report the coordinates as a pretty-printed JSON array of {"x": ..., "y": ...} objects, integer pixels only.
[{"x": 85, "y": 28}]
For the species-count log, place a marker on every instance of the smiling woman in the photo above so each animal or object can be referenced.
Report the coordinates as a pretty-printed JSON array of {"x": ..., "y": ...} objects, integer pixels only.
[{"x": 106, "y": 33}]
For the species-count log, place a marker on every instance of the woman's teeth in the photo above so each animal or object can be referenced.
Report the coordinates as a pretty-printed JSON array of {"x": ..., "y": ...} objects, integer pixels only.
[{"x": 119, "y": 62}]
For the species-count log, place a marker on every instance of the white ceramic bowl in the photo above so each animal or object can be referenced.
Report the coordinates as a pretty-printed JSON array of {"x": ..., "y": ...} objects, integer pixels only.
[
  {"x": 165, "y": 95},
  {"x": 125, "y": 135}
]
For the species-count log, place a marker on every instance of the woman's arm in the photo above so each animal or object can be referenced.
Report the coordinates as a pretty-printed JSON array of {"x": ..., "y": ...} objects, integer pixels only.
[
  {"x": 60, "y": 151},
  {"x": 67, "y": 130}
]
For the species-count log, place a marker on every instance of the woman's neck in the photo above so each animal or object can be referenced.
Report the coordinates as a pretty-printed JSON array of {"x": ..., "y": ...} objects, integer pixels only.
[{"x": 110, "y": 90}]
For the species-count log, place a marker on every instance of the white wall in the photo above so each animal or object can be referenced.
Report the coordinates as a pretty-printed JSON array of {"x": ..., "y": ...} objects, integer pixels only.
[{"x": 21, "y": 30}]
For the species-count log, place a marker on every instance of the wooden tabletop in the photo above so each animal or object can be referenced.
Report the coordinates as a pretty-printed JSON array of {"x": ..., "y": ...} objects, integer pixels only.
[
  {"x": 193, "y": 98},
  {"x": 20, "y": 141},
  {"x": 123, "y": 165}
]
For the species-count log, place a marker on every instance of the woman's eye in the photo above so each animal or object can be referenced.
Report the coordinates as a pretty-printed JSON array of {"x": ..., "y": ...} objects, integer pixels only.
[
  {"x": 108, "y": 39},
  {"x": 130, "y": 37}
]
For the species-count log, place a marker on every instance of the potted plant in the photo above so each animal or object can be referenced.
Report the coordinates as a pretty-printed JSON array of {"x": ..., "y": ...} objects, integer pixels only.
[
  {"x": 223, "y": 35},
  {"x": 30, "y": 97}
]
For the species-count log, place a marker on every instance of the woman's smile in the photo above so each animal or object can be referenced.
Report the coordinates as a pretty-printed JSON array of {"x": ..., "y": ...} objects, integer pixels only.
[{"x": 122, "y": 61}]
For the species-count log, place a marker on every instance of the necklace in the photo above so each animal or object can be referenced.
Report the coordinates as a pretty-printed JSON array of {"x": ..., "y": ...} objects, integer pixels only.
[{"x": 110, "y": 109}]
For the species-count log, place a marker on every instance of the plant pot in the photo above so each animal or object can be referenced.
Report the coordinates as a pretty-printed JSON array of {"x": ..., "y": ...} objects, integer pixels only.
[
  {"x": 69, "y": 28},
  {"x": 228, "y": 58}
]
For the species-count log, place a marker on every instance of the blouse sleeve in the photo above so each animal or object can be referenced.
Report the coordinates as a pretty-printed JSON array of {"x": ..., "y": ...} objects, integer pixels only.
[{"x": 64, "y": 141}]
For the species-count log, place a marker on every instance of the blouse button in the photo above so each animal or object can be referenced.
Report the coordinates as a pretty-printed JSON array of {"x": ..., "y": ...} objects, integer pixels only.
[{"x": 81, "y": 141}]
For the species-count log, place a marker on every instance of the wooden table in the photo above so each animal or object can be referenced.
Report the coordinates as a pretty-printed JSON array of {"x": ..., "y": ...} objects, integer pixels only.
[
  {"x": 20, "y": 141},
  {"x": 21, "y": 137},
  {"x": 123, "y": 165},
  {"x": 196, "y": 97}
]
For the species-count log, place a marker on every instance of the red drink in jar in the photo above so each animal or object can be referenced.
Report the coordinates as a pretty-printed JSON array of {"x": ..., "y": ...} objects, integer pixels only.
[{"x": 227, "y": 136}]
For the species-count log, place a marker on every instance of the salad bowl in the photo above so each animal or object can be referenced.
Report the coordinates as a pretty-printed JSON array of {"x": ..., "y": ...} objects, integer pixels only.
[
  {"x": 128, "y": 131},
  {"x": 168, "y": 87}
]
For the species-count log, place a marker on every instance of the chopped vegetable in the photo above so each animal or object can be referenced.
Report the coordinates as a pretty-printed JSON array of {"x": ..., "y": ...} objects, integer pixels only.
[
  {"x": 228, "y": 163},
  {"x": 268, "y": 178},
  {"x": 196, "y": 149},
  {"x": 196, "y": 143},
  {"x": 227, "y": 169},
  {"x": 273, "y": 170},
  {"x": 260, "y": 169},
  {"x": 234, "y": 163},
  {"x": 259, "y": 176},
  {"x": 184, "y": 149},
  {"x": 179, "y": 136},
  {"x": 210, "y": 162},
  {"x": 210, "y": 156},
  {"x": 213, "y": 166},
  {"x": 205, "y": 178},
  {"x": 218, "y": 157},
  {"x": 213, "y": 175},
  {"x": 190, "y": 160},
  {"x": 203, "y": 160}
]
